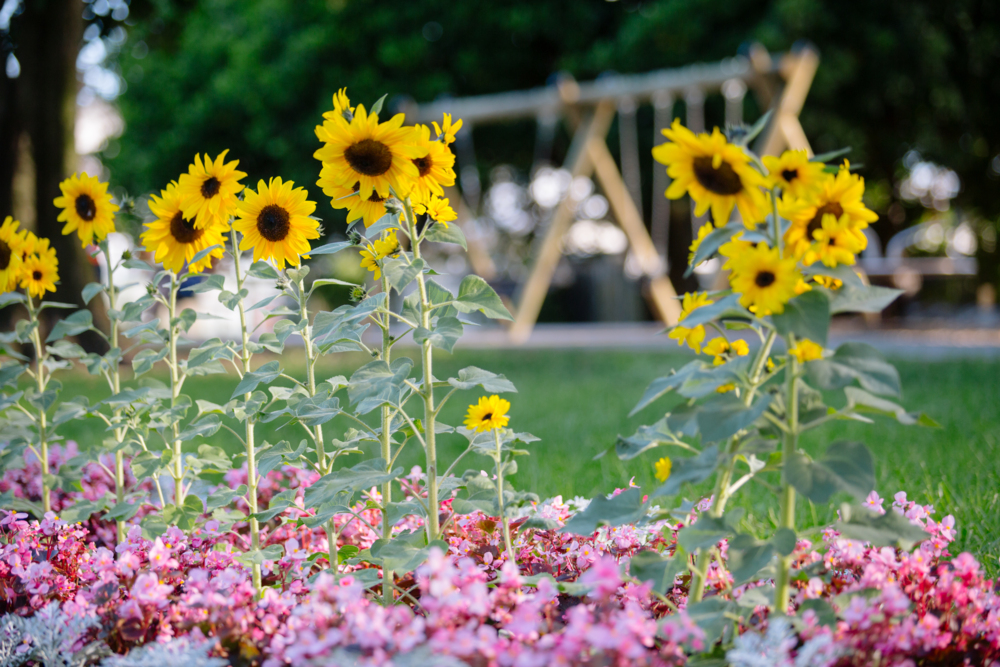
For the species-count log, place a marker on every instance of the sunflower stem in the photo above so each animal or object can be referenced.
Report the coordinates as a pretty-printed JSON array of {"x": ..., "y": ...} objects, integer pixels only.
[
  {"x": 790, "y": 444},
  {"x": 504, "y": 521},
  {"x": 386, "y": 442},
  {"x": 245, "y": 357},
  {"x": 41, "y": 382},
  {"x": 427, "y": 359},
  {"x": 175, "y": 391},
  {"x": 115, "y": 375}
]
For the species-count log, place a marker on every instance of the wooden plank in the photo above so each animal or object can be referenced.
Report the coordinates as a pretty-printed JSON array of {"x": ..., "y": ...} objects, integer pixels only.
[
  {"x": 786, "y": 131},
  {"x": 479, "y": 256},
  {"x": 593, "y": 128},
  {"x": 662, "y": 293}
]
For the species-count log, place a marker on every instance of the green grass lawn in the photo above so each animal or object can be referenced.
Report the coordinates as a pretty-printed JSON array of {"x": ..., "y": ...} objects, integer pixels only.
[{"x": 576, "y": 401}]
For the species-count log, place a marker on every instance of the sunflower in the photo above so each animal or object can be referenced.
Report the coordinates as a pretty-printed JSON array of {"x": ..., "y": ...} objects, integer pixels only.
[
  {"x": 174, "y": 239},
  {"x": 86, "y": 208},
  {"x": 703, "y": 231},
  {"x": 387, "y": 246},
  {"x": 275, "y": 222},
  {"x": 370, "y": 210},
  {"x": 490, "y": 413},
  {"x": 376, "y": 156},
  {"x": 437, "y": 208},
  {"x": 732, "y": 249},
  {"x": 341, "y": 107},
  {"x": 806, "y": 350},
  {"x": 838, "y": 196},
  {"x": 40, "y": 272},
  {"x": 835, "y": 242},
  {"x": 794, "y": 173},
  {"x": 723, "y": 350},
  {"x": 693, "y": 336},
  {"x": 11, "y": 244},
  {"x": 663, "y": 468},
  {"x": 447, "y": 130},
  {"x": 435, "y": 167},
  {"x": 208, "y": 191},
  {"x": 765, "y": 281},
  {"x": 716, "y": 173}
]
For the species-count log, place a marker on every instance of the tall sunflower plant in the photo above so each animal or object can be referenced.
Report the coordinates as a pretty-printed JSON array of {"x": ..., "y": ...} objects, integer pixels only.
[{"x": 786, "y": 230}]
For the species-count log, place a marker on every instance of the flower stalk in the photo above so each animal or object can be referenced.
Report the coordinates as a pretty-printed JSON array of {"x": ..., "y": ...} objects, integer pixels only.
[
  {"x": 789, "y": 446},
  {"x": 177, "y": 467},
  {"x": 504, "y": 521},
  {"x": 385, "y": 440},
  {"x": 114, "y": 380},
  {"x": 41, "y": 381}
]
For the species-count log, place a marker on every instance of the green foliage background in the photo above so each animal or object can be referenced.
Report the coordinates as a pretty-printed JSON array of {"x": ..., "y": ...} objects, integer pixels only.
[{"x": 254, "y": 76}]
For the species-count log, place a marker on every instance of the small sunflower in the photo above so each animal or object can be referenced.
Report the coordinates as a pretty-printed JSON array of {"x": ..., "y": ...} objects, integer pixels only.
[
  {"x": 86, "y": 208},
  {"x": 40, "y": 272},
  {"x": 208, "y": 191},
  {"x": 174, "y": 239},
  {"x": 838, "y": 196},
  {"x": 435, "y": 167},
  {"x": 703, "y": 231},
  {"x": 275, "y": 222},
  {"x": 11, "y": 249},
  {"x": 387, "y": 246},
  {"x": 370, "y": 210},
  {"x": 794, "y": 173},
  {"x": 663, "y": 468},
  {"x": 723, "y": 350},
  {"x": 341, "y": 107},
  {"x": 447, "y": 130},
  {"x": 835, "y": 242},
  {"x": 376, "y": 156},
  {"x": 732, "y": 249},
  {"x": 693, "y": 336},
  {"x": 716, "y": 173},
  {"x": 490, "y": 413},
  {"x": 764, "y": 280},
  {"x": 437, "y": 208},
  {"x": 806, "y": 350}
]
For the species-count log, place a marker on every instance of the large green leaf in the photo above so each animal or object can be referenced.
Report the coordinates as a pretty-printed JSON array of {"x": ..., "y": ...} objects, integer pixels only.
[
  {"x": 76, "y": 323},
  {"x": 210, "y": 350},
  {"x": 864, "y": 299},
  {"x": 860, "y": 401},
  {"x": 627, "y": 507},
  {"x": 441, "y": 232},
  {"x": 362, "y": 476},
  {"x": 471, "y": 377},
  {"x": 658, "y": 569},
  {"x": 645, "y": 438},
  {"x": 378, "y": 383},
  {"x": 695, "y": 469},
  {"x": 806, "y": 316},
  {"x": 728, "y": 307},
  {"x": 401, "y": 272},
  {"x": 405, "y": 552},
  {"x": 475, "y": 294},
  {"x": 881, "y": 530},
  {"x": 725, "y": 415},
  {"x": 444, "y": 335},
  {"x": 664, "y": 385},
  {"x": 747, "y": 555},
  {"x": 846, "y": 466},
  {"x": 855, "y": 361},
  {"x": 265, "y": 374},
  {"x": 708, "y": 530},
  {"x": 711, "y": 243}
]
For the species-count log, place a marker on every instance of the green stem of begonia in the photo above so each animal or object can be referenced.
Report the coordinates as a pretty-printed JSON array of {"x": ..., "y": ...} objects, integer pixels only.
[
  {"x": 721, "y": 493},
  {"x": 41, "y": 382},
  {"x": 790, "y": 443},
  {"x": 249, "y": 442},
  {"x": 427, "y": 358}
]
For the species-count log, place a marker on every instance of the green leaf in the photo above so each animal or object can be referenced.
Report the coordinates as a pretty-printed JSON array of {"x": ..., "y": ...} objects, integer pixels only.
[
  {"x": 223, "y": 497},
  {"x": 204, "y": 427},
  {"x": 209, "y": 283},
  {"x": 695, "y": 469},
  {"x": 10, "y": 372},
  {"x": 825, "y": 614},
  {"x": 329, "y": 249},
  {"x": 471, "y": 377},
  {"x": 134, "y": 263},
  {"x": 846, "y": 466},
  {"x": 658, "y": 569},
  {"x": 8, "y": 298},
  {"x": 81, "y": 510},
  {"x": 441, "y": 232},
  {"x": 213, "y": 459},
  {"x": 865, "y": 299},
  {"x": 880, "y": 530},
  {"x": 123, "y": 511},
  {"x": 132, "y": 311},
  {"x": 230, "y": 300},
  {"x": 90, "y": 290},
  {"x": 446, "y": 332},
  {"x": 265, "y": 374},
  {"x": 480, "y": 495},
  {"x": 861, "y": 401},
  {"x": 264, "y": 271},
  {"x": 855, "y": 361},
  {"x": 711, "y": 244},
  {"x": 845, "y": 274},
  {"x": 145, "y": 464},
  {"x": 350, "y": 480},
  {"x": 727, "y": 307},
  {"x": 403, "y": 553},
  {"x": 645, "y": 438},
  {"x": 626, "y": 507},
  {"x": 376, "y": 110},
  {"x": 708, "y": 530},
  {"x": 725, "y": 415},
  {"x": 269, "y": 457},
  {"x": 76, "y": 323},
  {"x": 747, "y": 555},
  {"x": 67, "y": 350},
  {"x": 377, "y": 383},
  {"x": 210, "y": 350},
  {"x": 829, "y": 156},
  {"x": 664, "y": 385},
  {"x": 144, "y": 360},
  {"x": 475, "y": 294},
  {"x": 806, "y": 316},
  {"x": 401, "y": 272}
]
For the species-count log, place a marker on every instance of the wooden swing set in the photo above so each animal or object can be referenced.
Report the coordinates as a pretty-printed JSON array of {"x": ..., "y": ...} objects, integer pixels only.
[{"x": 588, "y": 109}]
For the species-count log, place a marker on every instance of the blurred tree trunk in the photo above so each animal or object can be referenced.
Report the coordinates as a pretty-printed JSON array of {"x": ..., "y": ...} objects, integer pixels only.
[{"x": 47, "y": 36}]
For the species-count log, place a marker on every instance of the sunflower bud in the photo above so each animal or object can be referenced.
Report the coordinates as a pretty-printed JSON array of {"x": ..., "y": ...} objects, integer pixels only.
[
  {"x": 126, "y": 255},
  {"x": 354, "y": 237},
  {"x": 394, "y": 206},
  {"x": 358, "y": 293}
]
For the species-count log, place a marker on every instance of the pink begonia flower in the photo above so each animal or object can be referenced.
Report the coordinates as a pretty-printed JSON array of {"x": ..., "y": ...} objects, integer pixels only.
[
  {"x": 148, "y": 589},
  {"x": 874, "y": 503},
  {"x": 293, "y": 551},
  {"x": 160, "y": 556},
  {"x": 604, "y": 577}
]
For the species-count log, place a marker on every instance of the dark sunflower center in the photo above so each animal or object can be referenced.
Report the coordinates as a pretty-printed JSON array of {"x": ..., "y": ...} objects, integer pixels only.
[
  {"x": 4, "y": 255},
  {"x": 832, "y": 208},
  {"x": 273, "y": 223},
  {"x": 375, "y": 198},
  {"x": 790, "y": 175},
  {"x": 37, "y": 275},
  {"x": 85, "y": 207},
  {"x": 764, "y": 279},
  {"x": 488, "y": 416},
  {"x": 721, "y": 181},
  {"x": 369, "y": 157},
  {"x": 424, "y": 165},
  {"x": 183, "y": 229},
  {"x": 210, "y": 187}
]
